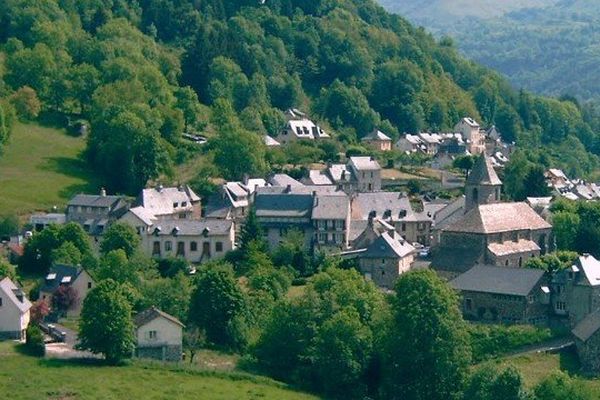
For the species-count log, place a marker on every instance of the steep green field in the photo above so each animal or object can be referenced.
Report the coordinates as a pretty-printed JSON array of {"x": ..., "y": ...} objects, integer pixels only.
[
  {"x": 26, "y": 378},
  {"x": 40, "y": 168}
]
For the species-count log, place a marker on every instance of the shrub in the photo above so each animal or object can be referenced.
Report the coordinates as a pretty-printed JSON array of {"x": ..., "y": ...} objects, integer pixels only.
[
  {"x": 488, "y": 341},
  {"x": 35, "y": 341}
]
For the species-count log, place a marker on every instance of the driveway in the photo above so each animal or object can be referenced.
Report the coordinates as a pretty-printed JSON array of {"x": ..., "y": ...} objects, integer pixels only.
[{"x": 66, "y": 349}]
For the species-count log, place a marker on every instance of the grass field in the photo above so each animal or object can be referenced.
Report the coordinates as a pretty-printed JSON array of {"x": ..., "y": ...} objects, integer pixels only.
[
  {"x": 537, "y": 366},
  {"x": 40, "y": 168},
  {"x": 24, "y": 378}
]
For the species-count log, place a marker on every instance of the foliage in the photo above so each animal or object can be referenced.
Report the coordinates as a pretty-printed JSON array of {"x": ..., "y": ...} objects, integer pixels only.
[
  {"x": 464, "y": 163},
  {"x": 324, "y": 338},
  {"x": 171, "y": 295},
  {"x": 64, "y": 298},
  {"x": 26, "y": 103},
  {"x": 553, "y": 262},
  {"x": 193, "y": 339},
  {"x": 116, "y": 266},
  {"x": 488, "y": 341},
  {"x": 489, "y": 383},
  {"x": 120, "y": 236},
  {"x": 560, "y": 386},
  {"x": 34, "y": 343},
  {"x": 218, "y": 306},
  {"x": 106, "y": 325},
  {"x": 292, "y": 252},
  {"x": 39, "y": 310},
  {"x": 9, "y": 225},
  {"x": 7, "y": 270},
  {"x": 427, "y": 334}
]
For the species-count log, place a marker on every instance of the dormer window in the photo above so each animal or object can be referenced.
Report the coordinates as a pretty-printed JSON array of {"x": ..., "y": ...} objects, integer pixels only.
[
  {"x": 184, "y": 204},
  {"x": 175, "y": 205}
]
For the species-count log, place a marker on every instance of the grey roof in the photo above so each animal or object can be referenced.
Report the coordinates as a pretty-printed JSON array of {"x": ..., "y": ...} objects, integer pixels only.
[
  {"x": 151, "y": 314},
  {"x": 60, "y": 271},
  {"x": 190, "y": 227},
  {"x": 376, "y": 135},
  {"x": 304, "y": 189},
  {"x": 337, "y": 170},
  {"x": 283, "y": 205},
  {"x": 483, "y": 173},
  {"x": 394, "y": 204},
  {"x": 159, "y": 201},
  {"x": 331, "y": 207},
  {"x": 511, "y": 247},
  {"x": 364, "y": 163},
  {"x": 95, "y": 200},
  {"x": 588, "y": 326},
  {"x": 284, "y": 180},
  {"x": 499, "y": 217},
  {"x": 498, "y": 280},
  {"x": 318, "y": 177},
  {"x": 11, "y": 291},
  {"x": 389, "y": 246},
  {"x": 143, "y": 214},
  {"x": 590, "y": 267}
]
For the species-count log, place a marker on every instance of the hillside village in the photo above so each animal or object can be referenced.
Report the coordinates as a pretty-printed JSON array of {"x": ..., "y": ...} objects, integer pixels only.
[{"x": 286, "y": 199}]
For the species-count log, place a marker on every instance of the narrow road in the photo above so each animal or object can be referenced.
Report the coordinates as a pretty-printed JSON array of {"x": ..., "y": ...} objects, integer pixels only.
[
  {"x": 66, "y": 349},
  {"x": 550, "y": 346}
]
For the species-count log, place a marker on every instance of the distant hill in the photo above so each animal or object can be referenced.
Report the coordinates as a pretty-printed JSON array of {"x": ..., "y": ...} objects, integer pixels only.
[
  {"x": 547, "y": 46},
  {"x": 443, "y": 14}
]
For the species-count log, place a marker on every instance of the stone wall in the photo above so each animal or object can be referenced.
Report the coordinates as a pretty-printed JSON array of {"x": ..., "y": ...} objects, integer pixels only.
[
  {"x": 503, "y": 308},
  {"x": 162, "y": 353},
  {"x": 589, "y": 354},
  {"x": 582, "y": 301},
  {"x": 383, "y": 271},
  {"x": 16, "y": 335}
]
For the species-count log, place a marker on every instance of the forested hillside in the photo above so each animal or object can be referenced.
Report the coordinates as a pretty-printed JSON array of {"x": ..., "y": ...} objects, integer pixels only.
[
  {"x": 546, "y": 46},
  {"x": 143, "y": 72}
]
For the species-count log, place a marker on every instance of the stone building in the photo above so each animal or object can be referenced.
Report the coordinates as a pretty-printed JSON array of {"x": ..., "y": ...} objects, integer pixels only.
[
  {"x": 378, "y": 141},
  {"x": 490, "y": 232},
  {"x": 158, "y": 335},
  {"x": 507, "y": 295},
  {"x": 587, "y": 340},
  {"x": 386, "y": 258},
  {"x": 95, "y": 212}
]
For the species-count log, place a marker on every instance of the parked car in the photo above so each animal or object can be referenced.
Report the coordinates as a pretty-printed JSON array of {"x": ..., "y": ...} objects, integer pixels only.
[{"x": 194, "y": 138}]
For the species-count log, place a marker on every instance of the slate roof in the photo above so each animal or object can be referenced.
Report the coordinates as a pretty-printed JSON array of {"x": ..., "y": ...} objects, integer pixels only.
[
  {"x": 376, "y": 135},
  {"x": 94, "y": 200},
  {"x": 587, "y": 326},
  {"x": 483, "y": 173},
  {"x": 59, "y": 272},
  {"x": 159, "y": 201},
  {"x": 11, "y": 291},
  {"x": 283, "y": 205},
  {"x": 318, "y": 177},
  {"x": 151, "y": 314},
  {"x": 499, "y": 217},
  {"x": 336, "y": 171},
  {"x": 498, "y": 280},
  {"x": 590, "y": 267},
  {"x": 331, "y": 207},
  {"x": 284, "y": 180},
  {"x": 364, "y": 163},
  {"x": 380, "y": 202},
  {"x": 304, "y": 189},
  {"x": 188, "y": 227},
  {"x": 388, "y": 246},
  {"x": 143, "y": 214},
  {"x": 511, "y": 247}
]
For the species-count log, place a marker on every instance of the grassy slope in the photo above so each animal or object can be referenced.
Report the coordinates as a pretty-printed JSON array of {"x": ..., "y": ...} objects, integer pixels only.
[
  {"x": 535, "y": 367},
  {"x": 27, "y": 378},
  {"x": 41, "y": 167}
]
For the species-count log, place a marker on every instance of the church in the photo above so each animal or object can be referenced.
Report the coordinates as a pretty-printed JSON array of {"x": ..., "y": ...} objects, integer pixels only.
[{"x": 489, "y": 232}]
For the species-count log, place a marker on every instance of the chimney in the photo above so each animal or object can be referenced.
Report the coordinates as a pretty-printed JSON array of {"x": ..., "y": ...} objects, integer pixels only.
[
  {"x": 586, "y": 255},
  {"x": 288, "y": 189},
  {"x": 102, "y": 192},
  {"x": 159, "y": 188},
  {"x": 392, "y": 234},
  {"x": 245, "y": 179}
]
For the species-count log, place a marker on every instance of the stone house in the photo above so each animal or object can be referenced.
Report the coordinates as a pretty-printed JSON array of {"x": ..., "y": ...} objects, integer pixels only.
[
  {"x": 385, "y": 259},
  {"x": 331, "y": 221},
  {"x": 587, "y": 341},
  {"x": 69, "y": 276},
  {"x": 507, "y": 295},
  {"x": 410, "y": 144},
  {"x": 378, "y": 141},
  {"x": 96, "y": 212},
  {"x": 489, "y": 232},
  {"x": 196, "y": 241},
  {"x": 359, "y": 174},
  {"x": 42, "y": 220},
  {"x": 472, "y": 134},
  {"x": 170, "y": 202},
  {"x": 367, "y": 173},
  {"x": 395, "y": 209},
  {"x": 14, "y": 311},
  {"x": 299, "y": 127},
  {"x": 158, "y": 335}
]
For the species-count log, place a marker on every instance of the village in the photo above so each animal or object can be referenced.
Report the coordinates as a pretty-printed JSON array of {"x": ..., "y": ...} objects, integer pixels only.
[{"x": 475, "y": 240}]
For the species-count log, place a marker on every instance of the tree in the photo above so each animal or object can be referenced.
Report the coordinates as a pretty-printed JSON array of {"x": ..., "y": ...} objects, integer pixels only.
[
  {"x": 464, "y": 163},
  {"x": 120, "y": 236},
  {"x": 9, "y": 225},
  {"x": 7, "y": 270},
  {"x": 193, "y": 339},
  {"x": 66, "y": 254},
  {"x": 488, "y": 383},
  {"x": 172, "y": 295},
  {"x": 239, "y": 152},
  {"x": 216, "y": 303},
  {"x": 35, "y": 341},
  {"x": 414, "y": 186},
  {"x": 565, "y": 226},
  {"x": 427, "y": 334},
  {"x": 39, "y": 310},
  {"x": 106, "y": 326},
  {"x": 292, "y": 252},
  {"x": 64, "y": 298},
  {"x": 115, "y": 265},
  {"x": 560, "y": 386},
  {"x": 37, "y": 255},
  {"x": 74, "y": 233},
  {"x": 187, "y": 102},
  {"x": 251, "y": 232},
  {"x": 535, "y": 182}
]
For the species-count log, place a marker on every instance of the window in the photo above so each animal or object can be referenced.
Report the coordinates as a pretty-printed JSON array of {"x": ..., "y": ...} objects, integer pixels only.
[
  {"x": 403, "y": 227},
  {"x": 506, "y": 263},
  {"x": 421, "y": 226},
  {"x": 530, "y": 298},
  {"x": 520, "y": 261},
  {"x": 168, "y": 245},
  {"x": 0, "y": 301},
  {"x": 175, "y": 205},
  {"x": 468, "y": 304},
  {"x": 322, "y": 237},
  {"x": 89, "y": 285},
  {"x": 184, "y": 204},
  {"x": 383, "y": 260},
  {"x": 182, "y": 216},
  {"x": 156, "y": 248},
  {"x": 152, "y": 334},
  {"x": 219, "y": 247},
  {"x": 561, "y": 305},
  {"x": 193, "y": 246}
]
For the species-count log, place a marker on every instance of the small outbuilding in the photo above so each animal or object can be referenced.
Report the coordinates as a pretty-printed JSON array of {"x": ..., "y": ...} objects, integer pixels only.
[{"x": 158, "y": 335}]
